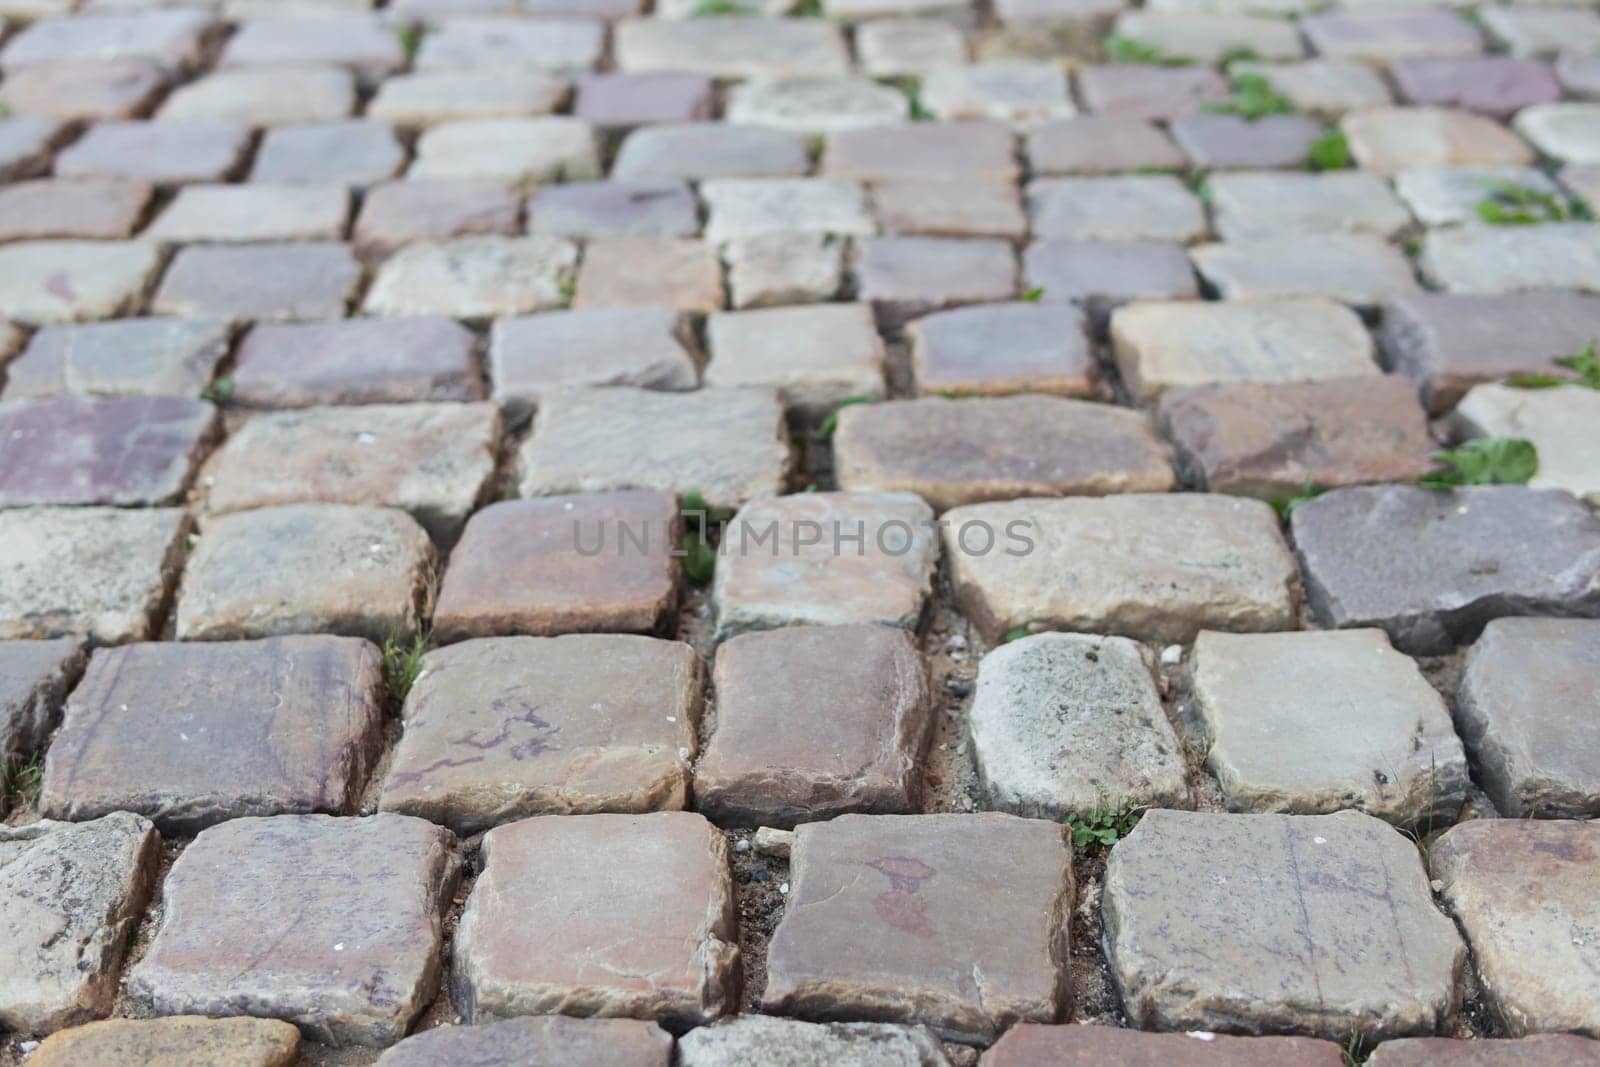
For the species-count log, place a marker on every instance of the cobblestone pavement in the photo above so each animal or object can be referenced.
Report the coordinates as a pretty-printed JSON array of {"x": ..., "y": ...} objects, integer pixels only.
[{"x": 796, "y": 532}]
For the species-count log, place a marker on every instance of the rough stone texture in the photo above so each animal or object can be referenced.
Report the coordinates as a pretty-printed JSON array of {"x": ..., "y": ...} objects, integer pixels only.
[
  {"x": 1506, "y": 259},
  {"x": 1379, "y": 36},
  {"x": 1157, "y": 567},
  {"x": 1390, "y": 139},
  {"x": 1543, "y": 1050},
  {"x": 1136, "y": 91},
  {"x": 535, "y": 355},
  {"x": 1232, "y": 141},
  {"x": 97, "y": 573},
  {"x": 614, "y": 209},
  {"x": 287, "y": 282},
  {"x": 792, "y": 1043},
  {"x": 355, "y": 153},
  {"x": 268, "y": 97},
  {"x": 813, "y": 722},
  {"x": 171, "y": 39},
  {"x": 1560, "y": 423},
  {"x": 964, "y": 451},
  {"x": 432, "y": 97},
  {"x": 341, "y": 920},
  {"x": 1304, "y": 951},
  {"x": 307, "y": 568},
  {"x": 950, "y": 209},
  {"x": 894, "y": 47},
  {"x": 698, "y": 150},
  {"x": 600, "y": 561},
  {"x": 923, "y": 151},
  {"x": 1357, "y": 269},
  {"x": 68, "y": 281},
  {"x": 34, "y": 679},
  {"x": 783, "y": 268},
  {"x": 641, "y": 271},
  {"x": 69, "y": 896},
  {"x": 365, "y": 361},
  {"x": 881, "y": 924},
  {"x": 166, "y": 153},
  {"x": 1071, "y": 723},
  {"x": 1001, "y": 349},
  {"x": 1147, "y": 207},
  {"x": 546, "y": 932},
  {"x": 129, "y": 357},
  {"x": 1523, "y": 892},
  {"x": 753, "y": 207},
  {"x": 1494, "y": 85},
  {"x": 1471, "y": 555},
  {"x": 1526, "y": 708},
  {"x": 546, "y": 1039},
  {"x": 815, "y": 105},
  {"x": 1251, "y": 206},
  {"x": 256, "y": 211},
  {"x": 1102, "y": 275},
  {"x": 189, "y": 735},
  {"x": 904, "y": 277},
  {"x": 173, "y": 1042},
  {"x": 816, "y": 357},
  {"x": 1101, "y": 145},
  {"x": 473, "y": 277},
  {"x": 1030, "y": 1045},
  {"x": 1450, "y": 196},
  {"x": 730, "y": 444},
  {"x": 397, "y": 213},
  {"x": 1018, "y": 92},
  {"x": 825, "y": 559},
  {"x": 84, "y": 90},
  {"x": 504, "y": 728},
  {"x": 731, "y": 48},
  {"x": 91, "y": 208},
  {"x": 127, "y": 451},
  {"x": 1270, "y": 440},
  {"x": 554, "y": 148},
  {"x": 615, "y": 101}
]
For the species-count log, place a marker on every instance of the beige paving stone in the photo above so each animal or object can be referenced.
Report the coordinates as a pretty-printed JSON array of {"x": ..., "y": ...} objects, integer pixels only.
[
  {"x": 474, "y": 277},
  {"x": 84, "y": 90},
  {"x": 1156, "y": 567},
  {"x": 753, "y": 207},
  {"x": 503, "y": 728},
  {"x": 551, "y": 1039},
  {"x": 1359, "y": 269},
  {"x": 701, "y": 150},
  {"x": 814, "y": 105},
  {"x": 1142, "y": 207},
  {"x": 270, "y": 281},
  {"x": 768, "y": 1039},
  {"x": 257, "y": 211},
  {"x": 359, "y": 42},
  {"x": 897, "y": 47},
  {"x": 731, "y": 48},
  {"x": 172, "y": 40},
  {"x": 307, "y": 568},
  {"x": 653, "y": 938},
  {"x": 1543, "y": 1050},
  {"x": 1392, "y": 139},
  {"x": 358, "y": 361},
  {"x": 395, "y": 214},
  {"x": 1251, "y": 206},
  {"x": 783, "y": 268},
  {"x": 816, "y": 357},
  {"x": 428, "y": 98},
  {"x": 174, "y": 1041},
  {"x": 93, "y": 208},
  {"x": 354, "y": 152},
  {"x": 1568, "y": 132},
  {"x": 1001, "y": 349},
  {"x": 1560, "y": 422},
  {"x": 34, "y": 679},
  {"x": 1510, "y": 259},
  {"x": 1021, "y": 93},
  {"x": 1449, "y": 196},
  {"x": 70, "y": 281},
  {"x": 1206, "y": 37},
  {"x": 880, "y": 923},
  {"x": 650, "y": 272},
  {"x": 166, "y": 153},
  {"x": 544, "y": 149},
  {"x": 1495, "y": 85},
  {"x": 813, "y": 722},
  {"x": 921, "y": 152},
  {"x": 1027, "y": 1044},
  {"x": 834, "y": 558},
  {"x": 266, "y": 97},
  {"x": 1523, "y": 892}
]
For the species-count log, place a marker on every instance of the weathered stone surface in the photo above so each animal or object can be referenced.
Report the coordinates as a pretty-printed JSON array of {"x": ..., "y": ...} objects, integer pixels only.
[
  {"x": 904, "y": 277},
  {"x": 1494, "y": 85},
  {"x": 646, "y": 272},
  {"x": 963, "y": 451},
  {"x": 91, "y": 208},
  {"x": 697, "y": 150},
  {"x": 1251, "y": 206},
  {"x": 564, "y": 564},
  {"x": 1071, "y": 723},
  {"x": 340, "y": 919},
  {"x": 363, "y": 361},
  {"x": 133, "y": 357},
  {"x": 69, "y": 281},
  {"x": 546, "y": 1039},
  {"x": 128, "y": 451},
  {"x": 950, "y": 209},
  {"x": 816, "y": 357},
  {"x": 96, "y": 573},
  {"x": 307, "y": 568},
  {"x": 359, "y": 42},
  {"x": 1523, "y": 891},
  {"x": 171, "y": 39},
  {"x": 503, "y": 728},
  {"x": 432, "y": 97},
  {"x": 1304, "y": 951},
  {"x": 268, "y": 97},
  {"x": 816, "y": 105},
  {"x": 355, "y": 153},
  {"x": 1560, "y": 422},
  {"x": 1543, "y": 1050},
  {"x": 1232, "y": 141},
  {"x": 1323, "y": 87},
  {"x": 286, "y": 282},
  {"x": 532, "y": 356},
  {"x": 1352, "y": 268},
  {"x": 1270, "y": 440},
  {"x": 1140, "y": 207},
  {"x": 1379, "y": 36},
  {"x": 923, "y": 151},
  {"x": 1103, "y": 275},
  {"x": 166, "y": 153},
  {"x": 1028, "y": 1045},
  {"x": 69, "y": 896},
  {"x": 84, "y": 90},
  {"x": 1018, "y": 92},
  {"x": 34, "y": 679},
  {"x": 731, "y": 48},
  {"x": 189, "y": 735},
  {"x": 835, "y": 558},
  {"x": 880, "y": 923},
  {"x": 492, "y": 44},
  {"x": 617, "y": 101},
  {"x": 784, "y": 268},
  {"x": 1137, "y": 91},
  {"x": 769, "y": 1040},
  {"x": 1471, "y": 555},
  {"x": 1504, "y": 259},
  {"x": 895, "y": 47},
  {"x": 1210, "y": 37},
  {"x": 548, "y": 149},
  {"x": 172, "y": 1042},
  {"x": 752, "y": 207},
  {"x": 1525, "y": 708},
  {"x": 1157, "y": 567},
  {"x": 1390, "y": 139},
  {"x": 1001, "y": 349},
  {"x": 1449, "y": 196},
  {"x": 614, "y": 209},
  {"x": 542, "y": 935},
  {"x": 729, "y": 444},
  {"x": 813, "y": 722},
  {"x": 396, "y": 213},
  {"x": 1101, "y": 145},
  {"x": 473, "y": 277},
  {"x": 255, "y": 211}
]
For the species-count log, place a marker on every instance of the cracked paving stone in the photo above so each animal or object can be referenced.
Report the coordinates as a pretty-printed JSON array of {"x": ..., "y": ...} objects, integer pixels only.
[
  {"x": 1003, "y": 349},
  {"x": 1031, "y": 1045},
  {"x": 791, "y": 1043},
  {"x": 1559, "y": 422},
  {"x": 816, "y": 357},
  {"x": 34, "y": 679},
  {"x": 276, "y": 282},
  {"x": 645, "y": 272},
  {"x": 474, "y": 277},
  {"x": 1543, "y": 1050},
  {"x": 699, "y": 150},
  {"x": 47, "y": 282},
  {"x": 395, "y": 214},
  {"x": 173, "y": 1042},
  {"x": 189, "y": 735},
  {"x": 165, "y": 153},
  {"x": 543, "y": 1039},
  {"x": 1358, "y": 269},
  {"x": 91, "y": 208}
]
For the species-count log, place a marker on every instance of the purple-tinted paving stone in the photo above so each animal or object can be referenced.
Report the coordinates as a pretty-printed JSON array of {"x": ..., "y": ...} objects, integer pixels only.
[
  {"x": 489, "y": 44},
  {"x": 1158, "y": 567},
  {"x": 361, "y": 361},
  {"x": 34, "y": 679},
  {"x": 813, "y": 722},
  {"x": 1101, "y": 145},
  {"x": 1508, "y": 259},
  {"x": 728, "y": 444},
  {"x": 815, "y": 105},
  {"x": 1544, "y": 33},
  {"x": 896, "y": 47},
  {"x": 771, "y": 1040},
  {"x": 1234, "y": 142},
  {"x": 1523, "y": 892},
  {"x": 1269, "y": 440},
  {"x": 357, "y": 153},
  {"x": 1543, "y": 1050},
  {"x": 547, "y": 149},
  {"x": 1138, "y": 207},
  {"x": 1559, "y": 423},
  {"x": 532, "y": 355},
  {"x": 254, "y": 211},
  {"x": 1391, "y": 139},
  {"x": 1567, "y": 132},
  {"x": 1379, "y": 36},
  {"x": 816, "y": 357},
  {"x": 189, "y": 735},
  {"x": 614, "y": 209},
  {"x": 880, "y": 924},
  {"x": 1103, "y": 275},
  {"x": 128, "y": 451},
  {"x": 435, "y": 97},
  {"x": 84, "y": 90},
  {"x": 950, "y": 209},
  {"x": 269, "y": 281},
  {"x": 398, "y": 213},
  {"x": 784, "y": 268},
  {"x": 1210, "y": 36},
  {"x": 26, "y": 143},
  {"x": 1305, "y": 951},
  {"x": 173, "y": 40},
  {"x": 1471, "y": 555},
  {"x": 650, "y": 272},
  {"x": 96, "y": 573},
  {"x": 70, "y": 895},
  {"x": 341, "y": 919},
  {"x": 1323, "y": 87},
  {"x": 126, "y": 357},
  {"x": 474, "y": 277},
  {"x": 697, "y": 150},
  {"x": 964, "y": 451},
  {"x": 1023, "y": 93},
  {"x": 1142, "y": 92},
  {"x": 1526, "y": 708},
  {"x": 434, "y": 461},
  {"x": 183, "y": 1039},
  {"x": 731, "y": 48},
  {"x": 754, "y": 207},
  {"x": 590, "y": 562},
  {"x": 1450, "y": 343},
  {"x": 924, "y": 151},
  {"x": 91, "y": 208},
  {"x": 1000, "y": 349},
  {"x": 167, "y": 153},
  {"x": 268, "y": 96},
  {"x": 1030, "y": 1045},
  {"x": 1495, "y": 85},
  {"x": 652, "y": 939},
  {"x": 544, "y": 1039},
  {"x": 835, "y": 559},
  {"x": 617, "y": 101},
  {"x": 361, "y": 43},
  {"x": 70, "y": 281},
  {"x": 504, "y": 728},
  {"x": 1358, "y": 269},
  {"x": 904, "y": 277},
  {"x": 307, "y": 568}
]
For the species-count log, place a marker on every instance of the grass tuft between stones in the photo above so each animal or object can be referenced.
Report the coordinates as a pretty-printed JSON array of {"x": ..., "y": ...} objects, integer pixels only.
[
  {"x": 1484, "y": 461},
  {"x": 20, "y": 782},
  {"x": 402, "y": 662},
  {"x": 1103, "y": 826}
]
